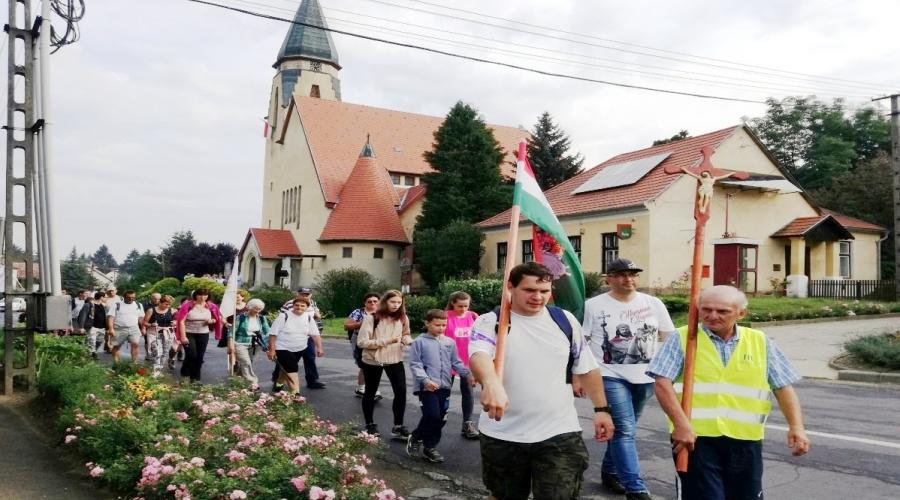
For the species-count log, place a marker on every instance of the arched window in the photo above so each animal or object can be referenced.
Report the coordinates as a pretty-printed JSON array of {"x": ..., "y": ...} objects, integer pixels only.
[{"x": 251, "y": 272}]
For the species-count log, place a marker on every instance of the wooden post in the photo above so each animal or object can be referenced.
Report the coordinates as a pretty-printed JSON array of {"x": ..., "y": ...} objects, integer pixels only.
[{"x": 702, "y": 207}]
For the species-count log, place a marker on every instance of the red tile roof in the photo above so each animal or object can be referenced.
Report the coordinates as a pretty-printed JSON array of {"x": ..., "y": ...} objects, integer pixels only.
[
  {"x": 335, "y": 129},
  {"x": 799, "y": 226},
  {"x": 684, "y": 153},
  {"x": 368, "y": 207},
  {"x": 411, "y": 196},
  {"x": 852, "y": 222},
  {"x": 273, "y": 243}
]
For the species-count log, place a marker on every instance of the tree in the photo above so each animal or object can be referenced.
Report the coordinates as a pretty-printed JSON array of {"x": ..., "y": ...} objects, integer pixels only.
[
  {"x": 548, "y": 149},
  {"x": 816, "y": 142},
  {"x": 865, "y": 193},
  {"x": 75, "y": 275},
  {"x": 435, "y": 262},
  {"x": 127, "y": 266},
  {"x": 145, "y": 270},
  {"x": 677, "y": 137},
  {"x": 104, "y": 260},
  {"x": 183, "y": 256},
  {"x": 466, "y": 182}
]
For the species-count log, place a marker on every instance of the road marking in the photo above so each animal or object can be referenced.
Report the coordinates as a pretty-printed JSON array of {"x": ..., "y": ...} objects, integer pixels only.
[{"x": 887, "y": 444}]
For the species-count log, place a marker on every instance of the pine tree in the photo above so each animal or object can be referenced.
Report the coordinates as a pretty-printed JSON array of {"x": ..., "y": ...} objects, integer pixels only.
[
  {"x": 466, "y": 183},
  {"x": 548, "y": 149},
  {"x": 127, "y": 266},
  {"x": 75, "y": 275},
  {"x": 104, "y": 260}
]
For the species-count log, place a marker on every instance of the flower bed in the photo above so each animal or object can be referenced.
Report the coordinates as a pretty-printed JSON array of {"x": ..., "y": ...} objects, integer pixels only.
[{"x": 149, "y": 440}]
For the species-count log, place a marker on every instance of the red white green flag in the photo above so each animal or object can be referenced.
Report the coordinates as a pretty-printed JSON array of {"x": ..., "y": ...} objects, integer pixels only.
[{"x": 551, "y": 245}]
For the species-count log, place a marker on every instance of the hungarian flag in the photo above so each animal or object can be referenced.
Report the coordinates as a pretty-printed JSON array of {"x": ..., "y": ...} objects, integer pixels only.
[{"x": 550, "y": 244}]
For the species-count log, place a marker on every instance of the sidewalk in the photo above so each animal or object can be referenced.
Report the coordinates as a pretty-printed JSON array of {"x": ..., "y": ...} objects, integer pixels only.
[
  {"x": 31, "y": 467},
  {"x": 811, "y": 346}
]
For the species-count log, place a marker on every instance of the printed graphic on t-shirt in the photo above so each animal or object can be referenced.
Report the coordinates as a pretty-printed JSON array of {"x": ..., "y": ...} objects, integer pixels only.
[
  {"x": 462, "y": 332},
  {"x": 629, "y": 337}
]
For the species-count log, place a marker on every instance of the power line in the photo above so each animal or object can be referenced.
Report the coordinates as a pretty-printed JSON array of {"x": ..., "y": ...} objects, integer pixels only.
[
  {"x": 732, "y": 83},
  {"x": 629, "y": 44},
  {"x": 853, "y": 83},
  {"x": 476, "y": 59}
]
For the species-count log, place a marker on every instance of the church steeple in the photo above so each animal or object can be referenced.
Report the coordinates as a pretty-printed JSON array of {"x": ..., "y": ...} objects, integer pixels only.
[
  {"x": 305, "y": 42},
  {"x": 307, "y": 63}
]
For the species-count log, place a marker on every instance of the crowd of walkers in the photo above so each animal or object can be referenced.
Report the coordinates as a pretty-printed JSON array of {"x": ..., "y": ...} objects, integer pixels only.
[{"x": 626, "y": 350}]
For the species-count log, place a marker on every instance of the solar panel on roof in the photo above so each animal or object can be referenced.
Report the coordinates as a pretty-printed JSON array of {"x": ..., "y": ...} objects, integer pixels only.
[{"x": 621, "y": 174}]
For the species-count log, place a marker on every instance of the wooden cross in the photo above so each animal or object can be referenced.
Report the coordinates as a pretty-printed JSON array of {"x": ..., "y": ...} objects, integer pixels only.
[{"x": 706, "y": 176}]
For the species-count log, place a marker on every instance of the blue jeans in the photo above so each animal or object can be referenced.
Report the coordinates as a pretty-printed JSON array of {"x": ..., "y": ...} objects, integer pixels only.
[
  {"x": 626, "y": 400},
  {"x": 434, "y": 416}
]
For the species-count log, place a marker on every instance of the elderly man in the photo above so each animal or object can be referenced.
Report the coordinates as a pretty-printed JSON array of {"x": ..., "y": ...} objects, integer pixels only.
[{"x": 736, "y": 368}]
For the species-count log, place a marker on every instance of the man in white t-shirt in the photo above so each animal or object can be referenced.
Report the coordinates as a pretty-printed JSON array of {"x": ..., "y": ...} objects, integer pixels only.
[
  {"x": 530, "y": 434},
  {"x": 123, "y": 324},
  {"x": 623, "y": 327}
]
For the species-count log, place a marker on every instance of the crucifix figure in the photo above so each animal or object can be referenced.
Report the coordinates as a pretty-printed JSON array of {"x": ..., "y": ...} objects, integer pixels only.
[{"x": 706, "y": 176}]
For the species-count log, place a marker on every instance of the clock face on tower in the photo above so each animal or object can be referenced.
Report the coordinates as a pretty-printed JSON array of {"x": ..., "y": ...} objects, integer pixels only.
[{"x": 315, "y": 66}]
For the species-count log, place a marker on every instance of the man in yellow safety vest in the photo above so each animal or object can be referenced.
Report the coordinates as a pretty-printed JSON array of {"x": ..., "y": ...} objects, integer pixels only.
[{"x": 736, "y": 370}]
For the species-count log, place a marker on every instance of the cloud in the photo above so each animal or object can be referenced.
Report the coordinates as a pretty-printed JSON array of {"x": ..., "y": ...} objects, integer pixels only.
[{"x": 158, "y": 107}]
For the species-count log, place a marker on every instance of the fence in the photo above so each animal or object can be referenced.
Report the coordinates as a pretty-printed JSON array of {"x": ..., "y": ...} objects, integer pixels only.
[{"x": 854, "y": 289}]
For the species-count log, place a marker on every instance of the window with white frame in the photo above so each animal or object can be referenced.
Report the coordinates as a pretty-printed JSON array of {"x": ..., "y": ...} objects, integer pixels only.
[{"x": 844, "y": 257}]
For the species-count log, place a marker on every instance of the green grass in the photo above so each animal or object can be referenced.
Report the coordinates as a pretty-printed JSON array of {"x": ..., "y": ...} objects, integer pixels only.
[
  {"x": 769, "y": 308},
  {"x": 334, "y": 327}
]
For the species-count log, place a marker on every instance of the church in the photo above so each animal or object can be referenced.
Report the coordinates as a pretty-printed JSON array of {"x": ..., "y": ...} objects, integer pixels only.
[{"x": 342, "y": 182}]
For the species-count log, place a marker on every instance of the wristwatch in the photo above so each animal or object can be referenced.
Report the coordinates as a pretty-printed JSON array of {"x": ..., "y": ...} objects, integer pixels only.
[{"x": 604, "y": 409}]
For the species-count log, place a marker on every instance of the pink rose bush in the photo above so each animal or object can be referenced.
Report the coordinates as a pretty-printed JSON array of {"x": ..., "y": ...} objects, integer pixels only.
[{"x": 149, "y": 440}]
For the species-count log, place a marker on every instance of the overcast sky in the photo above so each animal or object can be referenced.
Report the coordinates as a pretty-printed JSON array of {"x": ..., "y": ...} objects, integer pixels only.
[{"x": 159, "y": 106}]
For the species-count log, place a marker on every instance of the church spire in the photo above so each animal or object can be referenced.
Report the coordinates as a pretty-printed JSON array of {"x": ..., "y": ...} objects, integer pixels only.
[{"x": 305, "y": 42}]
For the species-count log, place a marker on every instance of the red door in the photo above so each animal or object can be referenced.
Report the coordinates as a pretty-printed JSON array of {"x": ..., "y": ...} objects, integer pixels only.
[{"x": 725, "y": 264}]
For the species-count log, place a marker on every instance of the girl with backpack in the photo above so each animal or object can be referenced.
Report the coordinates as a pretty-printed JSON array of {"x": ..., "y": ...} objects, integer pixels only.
[{"x": 382, "y": 337}]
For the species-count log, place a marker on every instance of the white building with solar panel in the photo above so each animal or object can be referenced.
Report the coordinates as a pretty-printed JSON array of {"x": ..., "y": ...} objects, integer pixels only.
[{"x": 762, "y": 229}]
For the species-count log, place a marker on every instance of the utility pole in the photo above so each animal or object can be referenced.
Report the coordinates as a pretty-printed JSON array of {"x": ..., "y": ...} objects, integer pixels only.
[{"x": 895, "y": 168}]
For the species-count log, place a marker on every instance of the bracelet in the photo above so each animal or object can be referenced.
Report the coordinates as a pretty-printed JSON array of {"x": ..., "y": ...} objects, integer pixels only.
[{"x": 602, "y": 409}]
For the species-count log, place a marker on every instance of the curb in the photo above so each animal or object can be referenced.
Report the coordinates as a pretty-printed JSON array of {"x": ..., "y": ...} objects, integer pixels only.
[
  {"x": 755, "y": 324},
  {"x": 871, "y": 377}
]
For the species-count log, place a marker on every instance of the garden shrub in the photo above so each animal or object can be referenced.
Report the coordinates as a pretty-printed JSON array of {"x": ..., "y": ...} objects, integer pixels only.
[
  {"x": 675, "y": 303},
  {"x": 593, "y": 283},
  {"x": 52, "y": 349},
  {"x": 417, "y": 306},
  {"x": 165, "y": 286},
  {"x": 273, "y": 296},
  {"x": 340, "y": 291},
  {"x": 216, "y": 290},
  {"x": 150, "y": 440},
  {"x": 485, "y": 292},
  {"x": 879, "y": 350}
]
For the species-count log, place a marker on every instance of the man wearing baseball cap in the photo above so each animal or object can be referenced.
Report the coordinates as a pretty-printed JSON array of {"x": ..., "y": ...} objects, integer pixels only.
[
  {"x": 624, "y": 327},
  {"x": 309, "y": 354}
]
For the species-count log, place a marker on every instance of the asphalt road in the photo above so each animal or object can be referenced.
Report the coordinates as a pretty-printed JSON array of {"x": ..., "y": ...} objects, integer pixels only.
[{"x": 855, "y": 432}]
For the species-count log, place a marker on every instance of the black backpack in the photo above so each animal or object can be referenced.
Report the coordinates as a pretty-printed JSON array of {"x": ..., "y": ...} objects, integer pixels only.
[{"x": 562, "y": 321}]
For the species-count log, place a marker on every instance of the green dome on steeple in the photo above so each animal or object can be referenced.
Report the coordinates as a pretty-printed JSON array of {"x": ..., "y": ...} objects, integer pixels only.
[{"x": 305, "y": 42}]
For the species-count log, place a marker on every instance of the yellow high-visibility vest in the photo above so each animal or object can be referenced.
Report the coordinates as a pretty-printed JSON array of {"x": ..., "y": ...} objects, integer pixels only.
[{"x": 732, "y": 400}]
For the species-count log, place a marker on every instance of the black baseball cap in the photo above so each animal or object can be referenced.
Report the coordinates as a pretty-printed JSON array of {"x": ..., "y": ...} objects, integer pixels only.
[
  {"x": 620, "y": 265},
  {"x": 304, "y": 290}
]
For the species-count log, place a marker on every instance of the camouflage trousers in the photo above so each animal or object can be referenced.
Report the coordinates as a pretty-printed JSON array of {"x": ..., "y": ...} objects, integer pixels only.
[{"x": 551, "y": 469}]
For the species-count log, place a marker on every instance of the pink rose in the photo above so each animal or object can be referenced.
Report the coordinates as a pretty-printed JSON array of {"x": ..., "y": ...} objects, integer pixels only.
[
  {"x": 237, "y": 495},
  {"x": 316, "y": 493},
  {"x": 299, "y": 483},
  {"x": 70, "y": 438},
  {"x": 97, "y": 471}
]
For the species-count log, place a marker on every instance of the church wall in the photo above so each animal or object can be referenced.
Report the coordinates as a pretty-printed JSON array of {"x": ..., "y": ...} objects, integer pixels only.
[
  {"x": 386, "y": 268},
  {"x": 865, "y": 255},
  {"x": 289, "y": 165}
]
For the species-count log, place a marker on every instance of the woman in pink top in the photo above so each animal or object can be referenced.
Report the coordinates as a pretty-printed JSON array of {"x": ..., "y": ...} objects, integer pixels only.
[
  {"x": 195, "y": 320},
  {"x": 459, "y": 324}
]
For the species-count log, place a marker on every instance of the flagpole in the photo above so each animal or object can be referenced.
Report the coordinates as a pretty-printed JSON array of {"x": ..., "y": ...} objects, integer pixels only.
[{"x": 512, "y": 241}]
